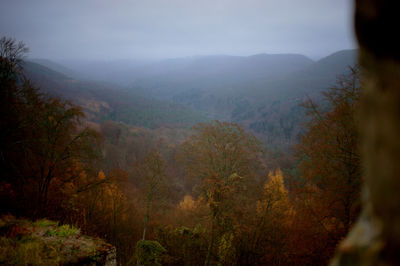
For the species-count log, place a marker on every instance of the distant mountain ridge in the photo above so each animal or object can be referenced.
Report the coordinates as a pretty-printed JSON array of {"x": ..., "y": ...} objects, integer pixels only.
[
  {"x": 262, "y": 92},
  {"x": 207, "y": 83},
  {"x": 169, "y": 77}
]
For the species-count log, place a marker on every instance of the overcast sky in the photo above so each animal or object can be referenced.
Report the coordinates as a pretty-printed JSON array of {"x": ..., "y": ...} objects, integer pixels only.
[{"x": 131, "y": 29}]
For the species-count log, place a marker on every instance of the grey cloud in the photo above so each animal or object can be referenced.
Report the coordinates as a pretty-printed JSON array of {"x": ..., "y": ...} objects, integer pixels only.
[{"x": 115, "y": 29}]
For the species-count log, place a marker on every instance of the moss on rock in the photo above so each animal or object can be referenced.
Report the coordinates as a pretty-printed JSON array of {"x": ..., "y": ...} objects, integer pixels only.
[{"x": 44, "y": 242}]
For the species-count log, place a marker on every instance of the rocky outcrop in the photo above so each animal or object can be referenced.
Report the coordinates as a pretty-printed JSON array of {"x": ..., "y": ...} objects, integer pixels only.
[{"x": 44, "y": 242}]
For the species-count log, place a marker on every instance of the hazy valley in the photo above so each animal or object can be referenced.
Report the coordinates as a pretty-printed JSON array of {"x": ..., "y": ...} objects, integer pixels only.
[{"x": 262, "y": 92}]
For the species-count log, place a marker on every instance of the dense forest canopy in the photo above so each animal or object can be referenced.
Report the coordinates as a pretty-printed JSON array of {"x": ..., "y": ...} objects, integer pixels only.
[{"x": 164, "y": 192}]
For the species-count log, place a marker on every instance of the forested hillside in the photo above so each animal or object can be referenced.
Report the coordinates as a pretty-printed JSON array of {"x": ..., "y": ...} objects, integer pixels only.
[
  {"x": 263, "y": 92},
  {"x": 102, "y": 101}
]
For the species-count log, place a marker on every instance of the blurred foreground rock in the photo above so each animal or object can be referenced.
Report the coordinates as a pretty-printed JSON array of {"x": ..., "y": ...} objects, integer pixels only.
[{"x": 375, "y": 238}]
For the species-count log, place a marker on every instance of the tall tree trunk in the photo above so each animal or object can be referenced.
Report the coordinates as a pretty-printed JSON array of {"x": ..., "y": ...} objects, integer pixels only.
[
  {"x": 207, "y": 262},
  {"x": 146, "y": 216}
]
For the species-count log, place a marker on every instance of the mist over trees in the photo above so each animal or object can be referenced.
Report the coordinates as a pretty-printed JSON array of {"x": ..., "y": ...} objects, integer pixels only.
[{"x": 172, "y": 194}]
